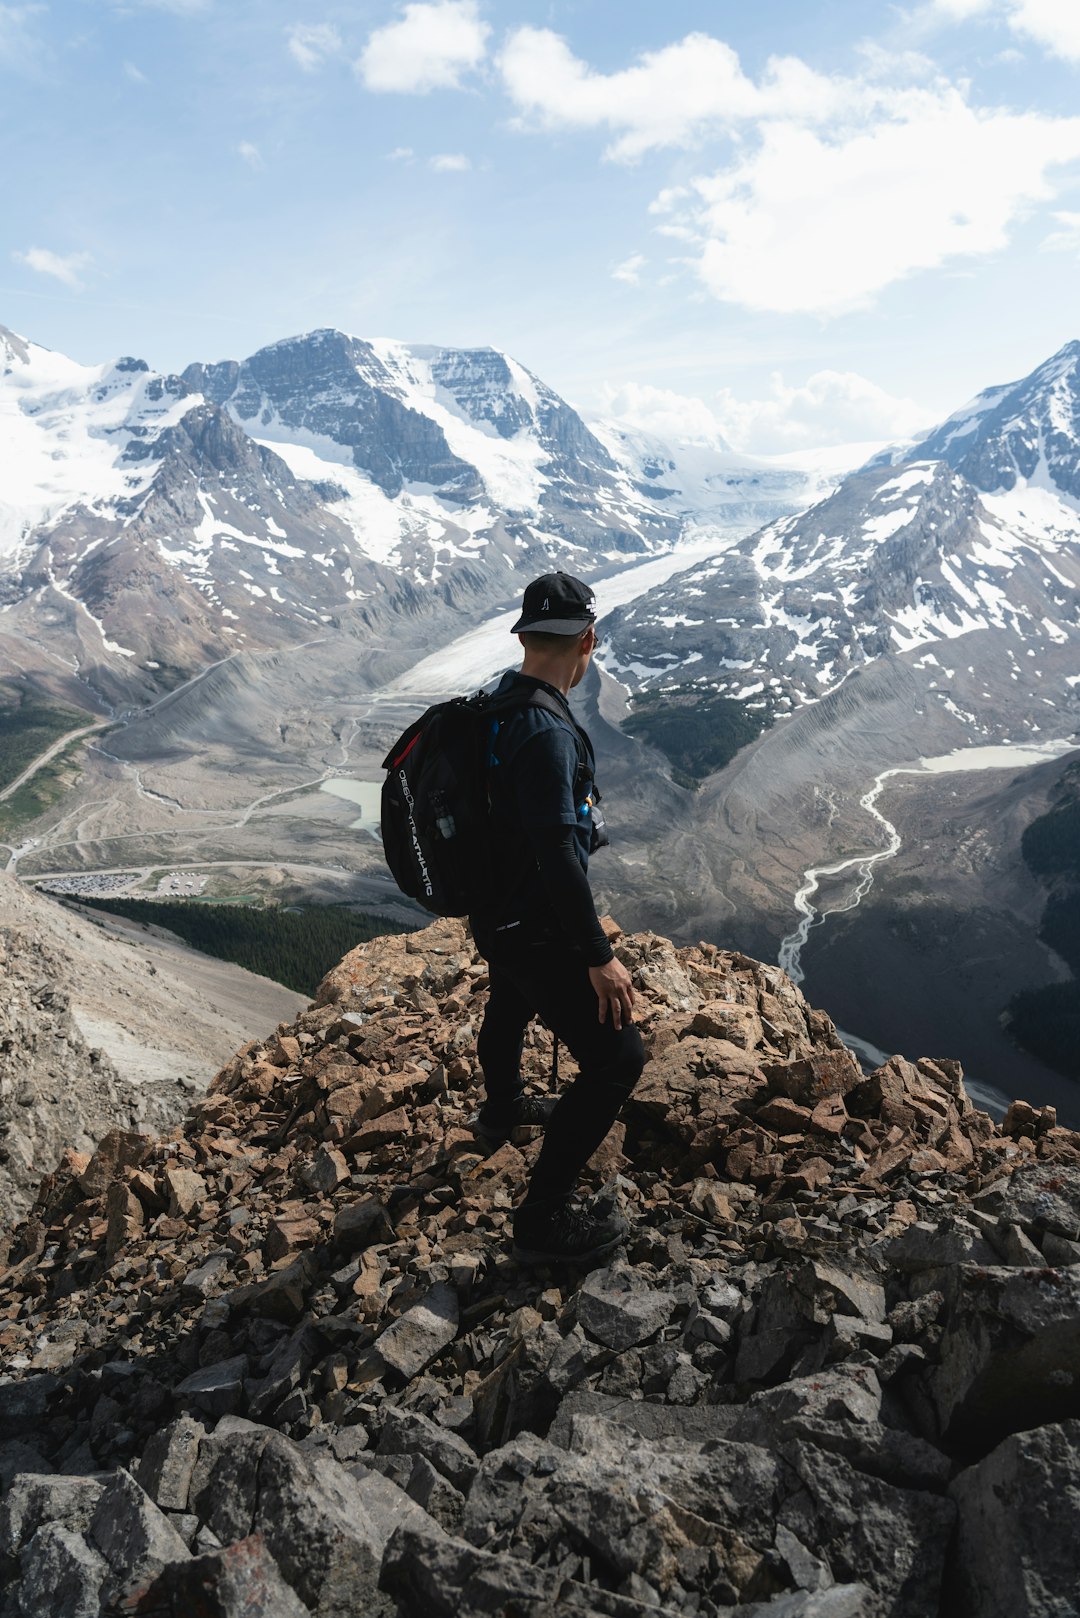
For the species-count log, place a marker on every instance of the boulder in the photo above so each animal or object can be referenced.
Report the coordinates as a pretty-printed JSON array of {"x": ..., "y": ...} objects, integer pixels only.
[
  {"x": 61, "y": 1575},
  {"x": 1008, "y": 1355},
  {"x": 1016, "y": 1548},
  {"x": 135, "y": 1538},
  {"x": 34, "y": 1499},
  {"x": 240, "y": 1581},
  {"x": 895, "y": 1540},
  {"x": 421, "y": 1333},
  {"x": 617, "y": 1308},
  {"x": 168, "y": 1462}
]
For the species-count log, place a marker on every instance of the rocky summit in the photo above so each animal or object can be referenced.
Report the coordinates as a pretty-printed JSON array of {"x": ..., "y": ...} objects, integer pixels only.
[{"x": 280, "y": 1361}]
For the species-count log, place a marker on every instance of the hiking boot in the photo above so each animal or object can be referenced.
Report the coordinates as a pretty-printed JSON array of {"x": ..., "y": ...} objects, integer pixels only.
[
  {"x": 566, "y": 1231},
  {"x": 491, "y": 1133}
]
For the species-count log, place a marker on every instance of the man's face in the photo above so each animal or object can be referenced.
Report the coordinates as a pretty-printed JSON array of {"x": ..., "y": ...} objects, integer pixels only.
[{"x": 586, "y": 645}]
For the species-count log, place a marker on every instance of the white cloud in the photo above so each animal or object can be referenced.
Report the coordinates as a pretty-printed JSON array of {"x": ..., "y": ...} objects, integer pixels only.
[
  {"x": 401, "y": 154},
  {"x": 428, "y": 48},
  {"x": 830, "y": 187},
  {"x": 677, "y": 418},
  {"x": 813, "y": 224},
  {"x": 830, "y": 407},
  {"x": 310, "y": 44},
  {"x": 1053, "y": 24},
  {"x": 250, "y": 154},
  {"x": 450, "y": 163},
  {"x": 135, "y": 74},
  {"x": 61, "y": 267},
  {"x": 677, "y": 96},
  {"x": 629, "y": 270}
]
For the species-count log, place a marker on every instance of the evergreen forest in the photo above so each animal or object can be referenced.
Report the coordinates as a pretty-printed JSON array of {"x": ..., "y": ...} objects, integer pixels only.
[
  {"x": 296, "y": 948},
  {"x": 696, "y": 731}
]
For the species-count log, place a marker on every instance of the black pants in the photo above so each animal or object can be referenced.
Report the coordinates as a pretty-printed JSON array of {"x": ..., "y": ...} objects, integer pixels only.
[{"x": 546, "y": 980}]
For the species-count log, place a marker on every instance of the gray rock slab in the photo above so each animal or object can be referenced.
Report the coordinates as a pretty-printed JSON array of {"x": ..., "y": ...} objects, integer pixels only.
[
  {"x": 224, "y": 1482},
  {"x": 699, "y": 1425},
  {"x": 407, "y": 1432},
  {"x": 422, "y": 1332},
  {"x": 1042, "y": 1196},
  {"x": 168, "y": 1461},
  {"x": 433, "y": 1573},
  {"x": 894, "y": 1540},
  {"x": 24, "y": 1402},
  {"x": 38, "y": 1498},
  {"x": 617, "y": 1309},
  {"x": 850, "y": 1393},
  {"x": 1017, "y": 1554},
  {"x": 134, "y": 1536},
  {"x": 312, "y": 1514},
  {"x": 290, "y": 1364},
  {"x": 1009, "y": 1356},
  {"x": 842, "y": 1601},
  {"x": 626, "y": 1500},
  {"x": 62, "y": 1576},
  {"x": 215, "y": 1389},
  {"x": 240, "y": 1581},
  {"x": 435, "y": 1494},
  {"x": 926, "y": 1246},
  {"x": 888, "y": 1453}
]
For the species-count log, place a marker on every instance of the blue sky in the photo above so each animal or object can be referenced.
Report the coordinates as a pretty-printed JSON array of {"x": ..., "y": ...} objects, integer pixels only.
[{"x": 792, "y": 224}]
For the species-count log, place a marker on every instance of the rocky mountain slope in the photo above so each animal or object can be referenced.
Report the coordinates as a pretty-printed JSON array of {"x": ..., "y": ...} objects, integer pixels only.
[
  {"x": 965, "y": 556},
  {"x": 279, "y": 1361},
  {"x": 98, "y": 1031},
  {"x": 928, "y": 607}
]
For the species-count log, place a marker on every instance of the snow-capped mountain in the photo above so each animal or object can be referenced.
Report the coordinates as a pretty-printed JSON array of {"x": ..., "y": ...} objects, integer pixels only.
[
  {"x": 150, "y": 524},
  {"x": 965, "y": 552},
  {"x": 1022, "y": 435}
]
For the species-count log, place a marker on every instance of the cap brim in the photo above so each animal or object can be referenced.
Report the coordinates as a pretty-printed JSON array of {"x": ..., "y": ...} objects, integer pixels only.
[{"x": 556, "y": 626}]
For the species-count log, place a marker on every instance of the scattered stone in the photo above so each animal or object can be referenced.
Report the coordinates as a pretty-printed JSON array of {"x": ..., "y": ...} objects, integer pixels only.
[
  {"x": 619, "y": 1310},
  {"x": 420, "y": 1334},
  {"x": 837, "y": 1288}
]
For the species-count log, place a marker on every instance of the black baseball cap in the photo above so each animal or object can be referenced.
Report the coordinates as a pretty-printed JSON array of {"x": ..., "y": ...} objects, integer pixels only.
[{"x": 558, "y": 605}]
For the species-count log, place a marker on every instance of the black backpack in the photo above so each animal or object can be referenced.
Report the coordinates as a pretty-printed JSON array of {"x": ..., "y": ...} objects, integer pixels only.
[{"x": 435, "y": 805}]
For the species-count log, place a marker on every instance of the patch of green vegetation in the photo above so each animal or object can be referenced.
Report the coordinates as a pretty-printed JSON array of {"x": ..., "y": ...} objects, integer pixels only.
[
  {"x": 44, "y": 788},
  {"x": 1046, "y": 1022},
  {"x": 697, "y": 732},
  {"x": 295, "y": 949},
  {"x": 29, "y": 726}
]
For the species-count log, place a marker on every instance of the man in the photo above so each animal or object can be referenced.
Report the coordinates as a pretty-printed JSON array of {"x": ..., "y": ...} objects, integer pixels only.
[{"x": 547, "y": 952}]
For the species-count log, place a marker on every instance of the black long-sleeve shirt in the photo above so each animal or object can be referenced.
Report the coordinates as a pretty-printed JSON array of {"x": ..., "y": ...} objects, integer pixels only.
[{"x": 541, "y": 783}]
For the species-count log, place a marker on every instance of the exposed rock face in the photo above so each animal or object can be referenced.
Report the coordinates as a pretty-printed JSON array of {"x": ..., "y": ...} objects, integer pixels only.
[
  {"x": 296, "y": 1319},
  {"x": 97, "y": 1035},
  {"x": 54, "y": 1090}
]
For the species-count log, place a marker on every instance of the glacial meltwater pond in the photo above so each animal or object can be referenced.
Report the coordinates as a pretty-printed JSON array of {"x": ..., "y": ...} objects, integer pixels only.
[{"x": 367, "y": 795}]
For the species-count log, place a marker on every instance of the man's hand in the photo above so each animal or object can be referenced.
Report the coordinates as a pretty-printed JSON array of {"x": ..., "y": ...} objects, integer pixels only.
[{"x": 615, "y": 990}]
